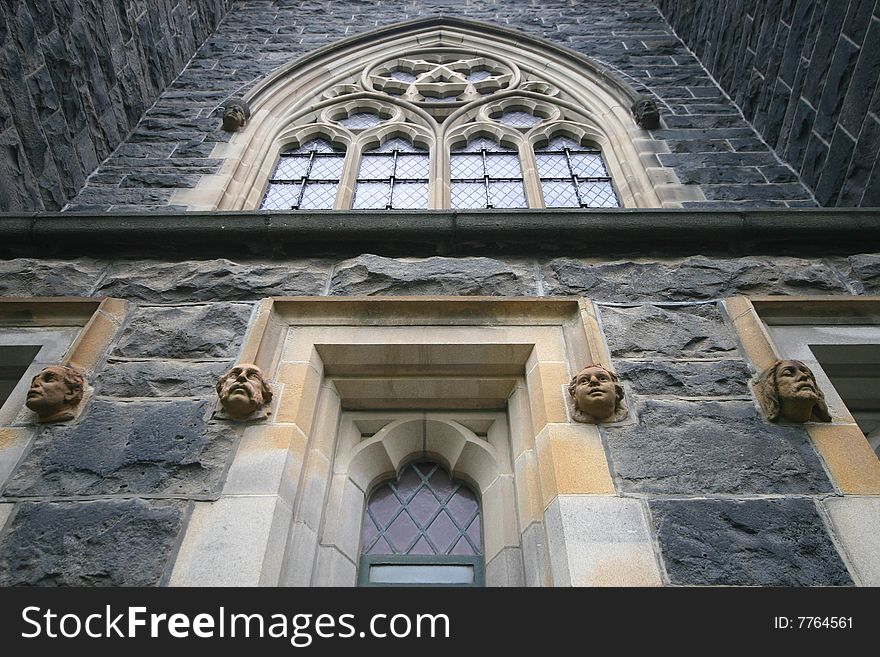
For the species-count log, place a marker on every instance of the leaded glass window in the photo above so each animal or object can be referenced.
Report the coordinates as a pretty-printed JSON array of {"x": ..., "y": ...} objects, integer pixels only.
[
  {"x": 422, "y": 528},
  {"x": 393, "y": 176},
  {"x": 306, "y": 177},
  {"x": 486, "y": 175},
  {"x": 574, "y": 176}
]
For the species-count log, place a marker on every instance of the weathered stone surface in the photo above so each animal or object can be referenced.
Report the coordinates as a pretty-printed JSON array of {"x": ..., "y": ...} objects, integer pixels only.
[
  {"x": 102, "y": 543},
  {"x": 371, "y": 274},
  {"x": 865, "y": 273},
  {"x": 30, "y": 277},
  {"x": 209, "y": 280},
  {"x": 696, "y": 331},
  {"x": 204, "y": 331},
  {"x": 747, "y": 543},
  {"x": 720, "y": 378},
  {"x": 150, "y": 378},
  {"x": 691, "y": 448},
  {"x": 129, "y": 447},
  {"x": 690, "y": 279}
]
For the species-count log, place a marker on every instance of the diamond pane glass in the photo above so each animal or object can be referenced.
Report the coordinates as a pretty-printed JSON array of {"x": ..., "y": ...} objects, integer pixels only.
[
  {"x": 559, "y": 194},
  {"x": 413, "y": 167},
  {"x": 478, "y": 74},
  {"x": 507, "y": 194},
  {"x": 317, "y": 145},
  {"x": 503, "y": 166},
  {"x": 371, "y": 195},
  {"x": 588, "y": 165},
  {"x": 326, "y": 168},
  {"x": 598, "y": 195},
  {"x": 319, "y": 196},
  {"x": 291, "y": 168},
  {"x": 561, "y": 143},
  {"x": 552, "y": 166},
  {"x": 361, "y": 120},
  {"x": 424, "y": 512},
  {"x": 280, "y": 197},
  {"x": 376, "y": 167},
  {"x": 403, "y": 76},
  {"x": 410, "y": 196},
  {"x": 468, "y": 195},
  {"x": 466, "y": 166},
  {"x": 520, "y": 119}
]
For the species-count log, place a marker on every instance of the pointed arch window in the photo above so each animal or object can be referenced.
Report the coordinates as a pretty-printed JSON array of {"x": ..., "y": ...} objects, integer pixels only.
[
  {"x": 422, "y": 528},
  {"x": 485, "y": 174},
  {"x": 574, "y": 176},
  {"x": 479, "y": 115},
  {"x": 393, "y": 176},
  {"x": 306, "y": 177}
]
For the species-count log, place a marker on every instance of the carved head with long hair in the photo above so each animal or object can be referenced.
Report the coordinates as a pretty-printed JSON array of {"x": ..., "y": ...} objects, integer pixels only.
[{"x": 788, "y": 390}]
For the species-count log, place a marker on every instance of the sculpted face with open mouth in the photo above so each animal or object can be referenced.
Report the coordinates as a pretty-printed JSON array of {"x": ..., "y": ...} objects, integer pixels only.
[{"x": 596, "y": 392}]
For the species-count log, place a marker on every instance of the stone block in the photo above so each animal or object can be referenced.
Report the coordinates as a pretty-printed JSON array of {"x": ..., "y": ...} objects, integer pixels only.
[
  {"x": 720, "y": 378},
  {"x": 150, "y": 378},
  {"x": 506, "y": 569},
  {"x": 129, "y": 448},
  {"x": 212, "y": 280},
  {"x": 694, "y": 448},
  {"x": 690, "y": 279},
  {"x": 856, "y": 523},
  {"x": 696, "y": 331},
  {"x": 600, "y": 541},
  {"x": 779, "y": 542},
  {"x": 235, "y": 541},
  {"x": 100, "y": 543},
  {"x": 372, "y": 275},
  {"x": 25, "y": 277},
  {"x": 204, "y": 331}
]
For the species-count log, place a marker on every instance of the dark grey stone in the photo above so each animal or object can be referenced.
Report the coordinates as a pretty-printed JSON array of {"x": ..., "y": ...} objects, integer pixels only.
[
  {"x": 371, "y": 274},
  {"x": 28, "y": 277},
  {"x": 206, "y": 280},
  {"x": 205, "y": 331},
  {"x": 690, "y": 279},
  {"x": 692, "y": 448},
  {"x": 150, "y": 378},
  {"x": 746, "y": 543},
  {"x": 720, "y": 378},
  {"x": 865, "y": 273},
  {"x": 132, "y": 448},
  {"x": 696, "y": 331},
  {"x": 101, "y": 543}
]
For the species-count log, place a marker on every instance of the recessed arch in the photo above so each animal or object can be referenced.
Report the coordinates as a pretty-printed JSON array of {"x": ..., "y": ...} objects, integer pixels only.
[{"x": 340, "y": 73}]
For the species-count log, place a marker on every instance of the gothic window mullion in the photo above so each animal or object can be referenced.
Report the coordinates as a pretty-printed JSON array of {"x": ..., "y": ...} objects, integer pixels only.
[{"x": 486, "y": 178}]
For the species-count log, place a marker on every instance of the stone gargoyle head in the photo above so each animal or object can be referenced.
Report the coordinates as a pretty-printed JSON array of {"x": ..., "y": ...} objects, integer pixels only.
[
  {"x": 597, "y": 395},
  {"x": 788, "y": 390},
  {"x": 243, "y": 390},
  {"x": 55, "y": 392},
  {"x": 236, "y": 112},
  {"x": 645, "y": 112}
]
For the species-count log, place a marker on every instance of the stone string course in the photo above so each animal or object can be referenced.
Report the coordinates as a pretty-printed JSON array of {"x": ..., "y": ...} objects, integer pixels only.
[
  {"x": 147, "y": 445},
  {"x": 711, "y": 145},
  {"x": 806, "y": 74}
]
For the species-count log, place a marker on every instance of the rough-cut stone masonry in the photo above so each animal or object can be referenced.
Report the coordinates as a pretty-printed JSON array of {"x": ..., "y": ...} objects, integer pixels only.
[
  {"x": 806, "y": 74},
  {"x": 710, "y": 144},
  {"x": 147, "y": 444},
  {"x": 75, "y": 77}
]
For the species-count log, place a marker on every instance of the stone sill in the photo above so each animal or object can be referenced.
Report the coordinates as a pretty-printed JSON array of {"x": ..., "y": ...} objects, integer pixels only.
[{"x": 599, "y": 233}]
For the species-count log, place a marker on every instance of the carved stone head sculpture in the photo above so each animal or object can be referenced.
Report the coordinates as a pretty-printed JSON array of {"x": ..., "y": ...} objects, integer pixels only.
[
  {"x": 788, "y": 390},
  {"x": 597, "y": 394},
  {"x": 236, "y": 112},
  {"x": 243, "y": 390},
  {"x": 55, "y": 392},
  {"x": 645, "y": 112}
]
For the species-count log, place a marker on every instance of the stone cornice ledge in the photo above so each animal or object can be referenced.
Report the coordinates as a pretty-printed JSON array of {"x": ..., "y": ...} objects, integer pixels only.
[{"x": 597, "y": 233}]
